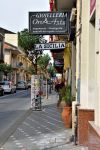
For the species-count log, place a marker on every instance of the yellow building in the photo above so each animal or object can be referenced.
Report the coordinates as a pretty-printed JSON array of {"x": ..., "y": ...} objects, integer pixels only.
[{"x": 15, "y": 57}]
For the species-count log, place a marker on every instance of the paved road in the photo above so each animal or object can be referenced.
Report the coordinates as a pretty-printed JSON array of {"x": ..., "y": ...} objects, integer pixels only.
[{"x": 12, "y": 107}]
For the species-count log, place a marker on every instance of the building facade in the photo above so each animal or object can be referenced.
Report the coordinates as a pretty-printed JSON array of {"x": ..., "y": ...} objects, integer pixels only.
[
  {"x": 85, "y": 62},
  {"x": 13, "y": 55}
]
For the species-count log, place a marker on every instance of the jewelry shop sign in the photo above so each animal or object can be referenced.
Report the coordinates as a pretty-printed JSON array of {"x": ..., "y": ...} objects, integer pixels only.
[
  {"x": 49, "y": 23},
  {"x": 48, "y": 46}
]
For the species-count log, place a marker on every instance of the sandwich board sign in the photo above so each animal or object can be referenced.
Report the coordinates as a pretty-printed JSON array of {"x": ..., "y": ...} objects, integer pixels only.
[{"x": 35, "y": 88}]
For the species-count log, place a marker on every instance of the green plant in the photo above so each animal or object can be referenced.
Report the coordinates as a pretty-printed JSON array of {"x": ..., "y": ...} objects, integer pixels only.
[{"x": 65, "y": 95}]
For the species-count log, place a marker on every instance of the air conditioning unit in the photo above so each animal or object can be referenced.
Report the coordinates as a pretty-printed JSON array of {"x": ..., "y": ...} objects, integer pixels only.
[{"x": 73, "y": 14}]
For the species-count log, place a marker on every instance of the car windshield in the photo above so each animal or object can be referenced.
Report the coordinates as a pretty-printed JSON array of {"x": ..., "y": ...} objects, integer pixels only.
[
  {"x": 21, "y": 82},
  {"x": 4, "y": 83}
]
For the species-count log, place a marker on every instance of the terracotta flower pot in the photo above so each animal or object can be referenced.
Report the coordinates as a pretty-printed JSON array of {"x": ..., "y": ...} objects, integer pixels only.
[
  {"x": 67, "y": 116},
  {"x": 61, "y": 104}
]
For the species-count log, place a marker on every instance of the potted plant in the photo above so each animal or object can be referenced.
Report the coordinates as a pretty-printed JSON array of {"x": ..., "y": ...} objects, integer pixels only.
[
  {"x": 65, "y": 98},
  {"x": 65, "y": 102}
]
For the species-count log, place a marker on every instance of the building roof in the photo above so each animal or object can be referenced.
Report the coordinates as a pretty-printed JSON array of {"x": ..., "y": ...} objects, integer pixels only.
[
  {"x": 9, "y": 46},
  {"x": 2, "y": 30}
]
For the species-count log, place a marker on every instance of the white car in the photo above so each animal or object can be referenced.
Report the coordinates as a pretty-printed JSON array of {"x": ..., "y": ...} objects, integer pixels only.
[
  {"x": 8, "y": 86},
  {"x": 22, "y": 85}
]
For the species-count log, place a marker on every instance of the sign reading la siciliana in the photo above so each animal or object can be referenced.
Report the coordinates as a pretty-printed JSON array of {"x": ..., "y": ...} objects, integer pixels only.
[
  {"x": 48, "y": 46},
  {"x": 49, "y": 23}
]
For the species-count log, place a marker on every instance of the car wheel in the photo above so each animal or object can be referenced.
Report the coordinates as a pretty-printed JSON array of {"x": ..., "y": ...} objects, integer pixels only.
[
  {"x": 2, "y": 94},
  {"x": 11, "y": 92}
]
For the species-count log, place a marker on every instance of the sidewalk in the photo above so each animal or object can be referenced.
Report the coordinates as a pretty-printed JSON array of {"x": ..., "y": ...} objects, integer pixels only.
[
  {"x": 42, "y": 130},
  {"x": 63, "y": 144}
]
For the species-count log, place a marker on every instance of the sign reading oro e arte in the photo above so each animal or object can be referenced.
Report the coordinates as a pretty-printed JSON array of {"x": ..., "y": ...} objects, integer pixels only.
[
  {"x": 48, "y": 46},
  {"x": 49, "y": 23}
]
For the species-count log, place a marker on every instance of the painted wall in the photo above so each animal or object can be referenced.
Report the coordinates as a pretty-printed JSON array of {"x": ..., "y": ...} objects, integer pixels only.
[
  {"x": 78, "y": 50},
  {"x": 84, "y": 54},
  {"x": 67, "y": 56},
  {"x": 11, "y": 39},
  {"x": 97, "y": 65},
  {"x": 7, "y": 56},
  {"x": 90, "y": 60}
]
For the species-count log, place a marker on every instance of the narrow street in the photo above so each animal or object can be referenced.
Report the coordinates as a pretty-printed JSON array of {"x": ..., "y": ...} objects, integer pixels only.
[
  {"x": 12, "y": 108},
  {"x": 42, "y": 130}
]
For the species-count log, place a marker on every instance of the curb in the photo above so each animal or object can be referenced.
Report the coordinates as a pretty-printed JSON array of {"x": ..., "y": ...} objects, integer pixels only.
[{"x": 4, "y": 136}]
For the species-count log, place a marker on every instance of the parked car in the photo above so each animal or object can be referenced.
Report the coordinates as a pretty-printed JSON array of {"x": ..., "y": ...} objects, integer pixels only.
[
  {"x": 22, "y": 85},
  {"x": 8, "y": 86},
  {"x": 1, "y": 91}
]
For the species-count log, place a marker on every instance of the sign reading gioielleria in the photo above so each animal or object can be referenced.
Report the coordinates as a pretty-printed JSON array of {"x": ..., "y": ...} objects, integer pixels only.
[{"x": 48, "y": 23}]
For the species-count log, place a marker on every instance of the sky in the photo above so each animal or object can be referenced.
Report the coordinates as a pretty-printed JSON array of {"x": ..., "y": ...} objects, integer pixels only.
[{"x": 14, "y": 13}]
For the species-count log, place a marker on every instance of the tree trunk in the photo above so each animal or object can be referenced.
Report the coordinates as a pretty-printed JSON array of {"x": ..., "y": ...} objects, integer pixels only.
[{"x": 46, "y": 86}]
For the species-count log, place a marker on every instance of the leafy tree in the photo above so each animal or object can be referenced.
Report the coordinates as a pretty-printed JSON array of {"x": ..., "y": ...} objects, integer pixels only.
[
  {"x": 27, "y": 41},
  {"x": 51, "y": 70},
  {"x": 5, "y": 68},
  {"x": 31, "y": 70},
  {"x": 43, "y": 62}
]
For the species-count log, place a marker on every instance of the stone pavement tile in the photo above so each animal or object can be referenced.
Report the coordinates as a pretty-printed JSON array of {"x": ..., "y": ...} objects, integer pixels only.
[
  {"x": 68, "y": 147},
  {"x": 52, "y": 99}
]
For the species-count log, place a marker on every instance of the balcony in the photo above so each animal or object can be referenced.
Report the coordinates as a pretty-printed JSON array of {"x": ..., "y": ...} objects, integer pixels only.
[{"x": 63, "y": 5}]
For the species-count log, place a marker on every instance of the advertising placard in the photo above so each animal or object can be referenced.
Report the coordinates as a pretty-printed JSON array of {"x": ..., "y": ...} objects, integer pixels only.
[
  {"x": 49, "y": 23},
  {"x": 35, "y": 87},
  {"x": 59, "y": 62}
]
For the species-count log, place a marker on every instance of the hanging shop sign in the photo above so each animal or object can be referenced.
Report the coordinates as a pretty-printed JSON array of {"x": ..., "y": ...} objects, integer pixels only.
[
  {"x": 50, "y": 46},
  {"x": 49, "y": 23},
  {"x": 59, "y": 62}
]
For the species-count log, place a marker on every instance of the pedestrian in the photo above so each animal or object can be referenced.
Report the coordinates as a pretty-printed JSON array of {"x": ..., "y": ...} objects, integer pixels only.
[{"x": 59, "y": 85}]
